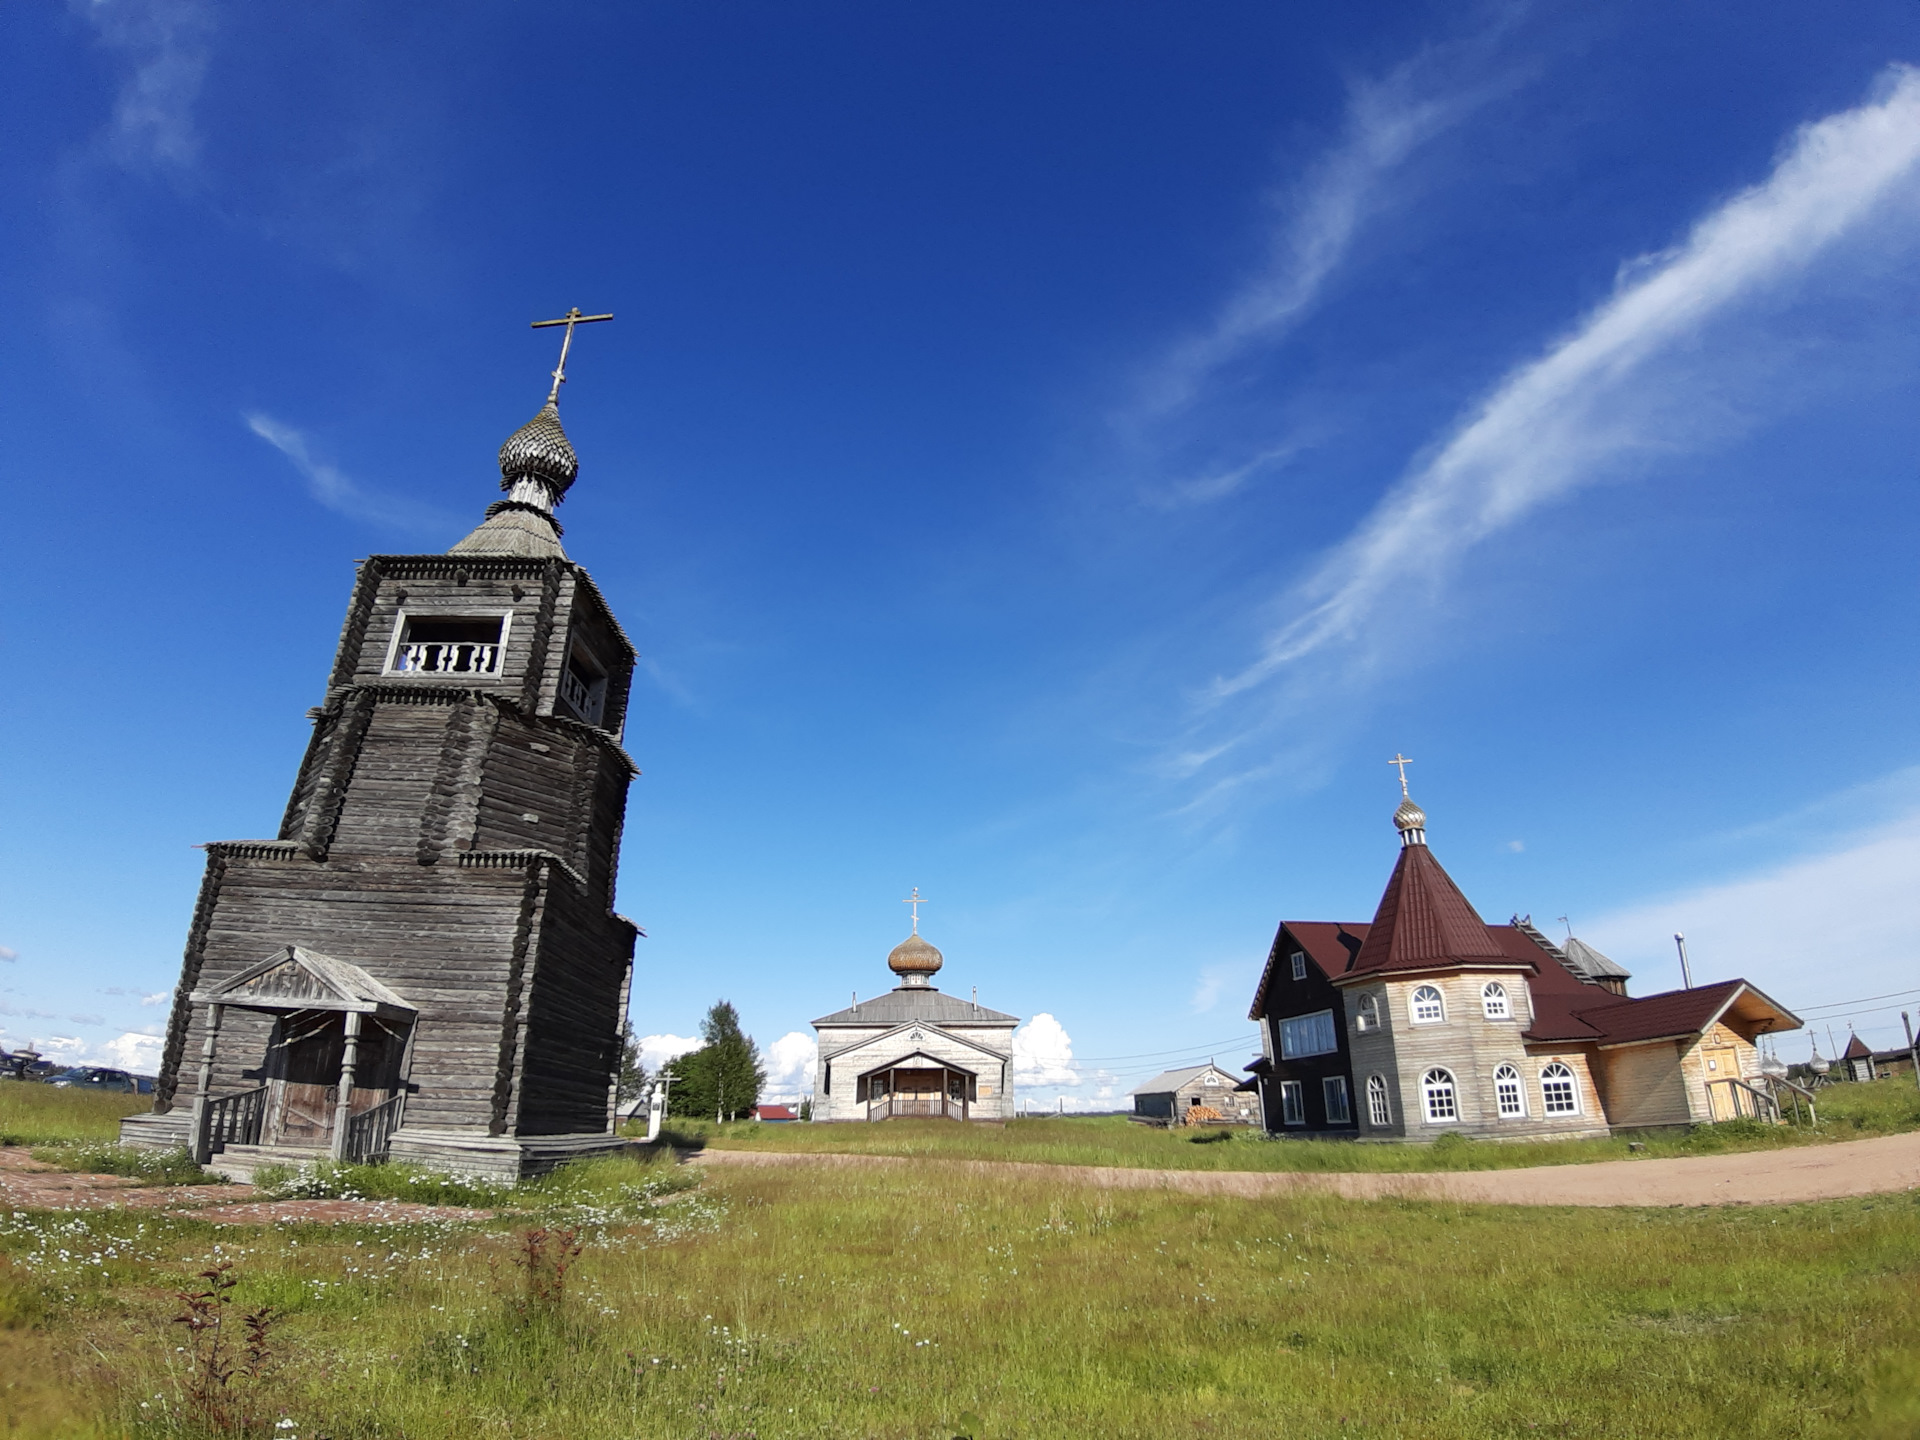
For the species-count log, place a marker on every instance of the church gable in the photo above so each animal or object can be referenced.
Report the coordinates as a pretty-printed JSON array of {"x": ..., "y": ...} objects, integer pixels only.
[{"x": 304, "y": 980}]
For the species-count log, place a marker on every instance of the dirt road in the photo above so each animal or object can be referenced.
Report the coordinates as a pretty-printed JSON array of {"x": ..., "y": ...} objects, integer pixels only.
[{"x": 1757, "y": 1177}]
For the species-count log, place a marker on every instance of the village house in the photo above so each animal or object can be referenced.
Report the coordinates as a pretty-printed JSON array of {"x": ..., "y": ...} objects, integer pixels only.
[
  {"x": 1197, "y": 1093},
  {"x": 424, "y": 962},
  {"x": 914, "y": 1052},
  {"x": 1428, "y": 1021}
]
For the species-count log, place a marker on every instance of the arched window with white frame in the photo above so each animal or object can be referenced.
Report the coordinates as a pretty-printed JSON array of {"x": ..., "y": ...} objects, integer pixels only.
[
  {"x": 1559, "y": 1091},
  {"x": 1437, "y": 1093},
  {"x": 1379, "y": 1109},
  {"x": 1427, "y": 1008},
  {"x": 1508, "y": 1094},
  {"x": 1367, "y": 1017},
  {"x": 1493, "y": 1000}
]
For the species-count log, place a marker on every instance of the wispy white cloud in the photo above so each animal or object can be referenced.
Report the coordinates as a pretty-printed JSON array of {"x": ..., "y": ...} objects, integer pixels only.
[
  {"x": 1563, "y": 420},
  {"x": 1835, "y": 925},
  {"x": 159, "y": 997},
  {"x": 336, "y": 491},
  {"x": 8, "y": 954},
  {"x": 1388, "y": 120},
  {"x": 167, "y": 43}
]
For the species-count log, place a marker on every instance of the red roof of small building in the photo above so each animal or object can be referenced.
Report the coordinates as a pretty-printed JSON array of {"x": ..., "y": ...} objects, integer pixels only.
[
  {"x": 775, "y": 1112},
  {"x": 1857, "y": 1049}
]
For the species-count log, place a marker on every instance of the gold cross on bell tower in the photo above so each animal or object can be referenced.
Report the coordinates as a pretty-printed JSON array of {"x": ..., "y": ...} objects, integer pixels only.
[
  {"x": 1401, "y": 761},
  {"x": 916, "y": 901},
  {"x": 572, "y": 318}
]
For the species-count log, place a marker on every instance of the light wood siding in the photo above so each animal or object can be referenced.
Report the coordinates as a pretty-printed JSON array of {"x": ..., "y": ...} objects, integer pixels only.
[{"x": 1645, "y": 1084}]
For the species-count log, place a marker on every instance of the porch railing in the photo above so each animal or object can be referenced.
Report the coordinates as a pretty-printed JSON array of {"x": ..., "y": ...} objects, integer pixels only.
[
  {"x": 459, "y": 657},
  {"x": 230, "y": 1120},
  {"x": 370, "y": 1130},
  {"x": 1749, "y": 1101},
  {"x": 907, "y": 1106}
]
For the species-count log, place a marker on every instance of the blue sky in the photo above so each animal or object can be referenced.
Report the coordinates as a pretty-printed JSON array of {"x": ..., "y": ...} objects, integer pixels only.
[{"x": 1049, "y": 455}]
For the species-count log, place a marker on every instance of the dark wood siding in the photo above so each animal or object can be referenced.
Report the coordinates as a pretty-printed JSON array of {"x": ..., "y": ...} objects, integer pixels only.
[{"x": 1288, "y": 998}]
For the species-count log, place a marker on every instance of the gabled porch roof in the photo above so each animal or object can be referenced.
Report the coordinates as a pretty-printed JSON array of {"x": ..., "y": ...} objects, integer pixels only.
[{"x": 299, "y": 979}]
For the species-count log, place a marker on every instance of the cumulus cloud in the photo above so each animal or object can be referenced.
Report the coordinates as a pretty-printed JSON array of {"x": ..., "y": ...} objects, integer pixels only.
[
  {"x": 1043, "y": 1054},
  {"x": 1561, "y": 421},
  {"x": 1836, "y": 925},
  {"x": 335, "y": 490},
  {"x": 134, "y": 1050},
  {"x": 166, "y": 42},
  {"x": 657, "y": 1050},
  {"x": 159, "y": 997},
  {"x": 790, "y": 1061}
]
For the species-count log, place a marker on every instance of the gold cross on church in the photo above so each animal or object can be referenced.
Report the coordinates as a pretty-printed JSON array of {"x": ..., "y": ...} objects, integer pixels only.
[
  {"x": 572, "y": 318},
  {"x": 916, "y": 901},
  {"x": 1402, "y": 761}
]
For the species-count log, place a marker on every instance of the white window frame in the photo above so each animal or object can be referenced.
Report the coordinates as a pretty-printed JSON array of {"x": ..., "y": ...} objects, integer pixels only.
[
  {"x": 1494, "y": 1003},
  {"x": 1509, "y": 1094},
  {"x": 1379, "y": 1102},
  {"x": 400, "y": 629},
  {"x": 1333, "y": 1094},
  {"x": 1299, "y": 958},
  {"x": 1439, "y": 1006},
  {"x": 1566, "y": 1077},
  {"x": 1293, "y": 1103},
  {"x": 1366, "y": 1015},
  {"x": 1440, "y": 1098},
  {"x": 1327, "y": 1036}
]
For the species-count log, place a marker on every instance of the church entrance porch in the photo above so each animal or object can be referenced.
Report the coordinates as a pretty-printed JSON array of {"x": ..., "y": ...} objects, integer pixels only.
[
  {"x": 929, "y": 1092},
  {"x": 332, "y": 1079}
]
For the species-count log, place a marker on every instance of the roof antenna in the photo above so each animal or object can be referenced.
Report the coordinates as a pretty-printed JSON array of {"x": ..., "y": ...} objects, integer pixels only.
[
  {"x": 1686, "y": 970},
  {"x": 1569, "y": 924}
]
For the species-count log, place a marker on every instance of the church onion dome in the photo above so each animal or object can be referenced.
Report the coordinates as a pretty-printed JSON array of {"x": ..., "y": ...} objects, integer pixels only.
[
  {"x": 539, "y": 450},
  {"x": 913, "y": 960},
  {"x": 1409, "y": 819}
]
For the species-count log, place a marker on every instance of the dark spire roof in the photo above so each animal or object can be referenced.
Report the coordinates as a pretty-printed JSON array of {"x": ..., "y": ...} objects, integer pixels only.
[
  {"x": 1857, "y": 1049},
  {"x": 1424, "y": 921}
]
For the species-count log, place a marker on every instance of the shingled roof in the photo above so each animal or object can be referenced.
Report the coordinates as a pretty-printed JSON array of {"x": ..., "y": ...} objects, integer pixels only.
[
  {"x": 1424, "y": 922},
  {"x": 1672, "y": 1015}
]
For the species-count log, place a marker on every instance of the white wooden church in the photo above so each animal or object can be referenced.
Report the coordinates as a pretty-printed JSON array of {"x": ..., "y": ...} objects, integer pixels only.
[{"x": 914, "y": 1051}]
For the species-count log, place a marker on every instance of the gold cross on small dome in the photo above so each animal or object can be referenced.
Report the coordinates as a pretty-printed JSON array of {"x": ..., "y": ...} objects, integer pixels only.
[{"x": 1401, "y": 761}]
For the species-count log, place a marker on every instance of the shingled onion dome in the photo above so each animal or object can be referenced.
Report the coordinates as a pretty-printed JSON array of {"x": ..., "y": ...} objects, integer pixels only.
[
  {"x": 1411, "y": 821},
  {"x": 915, "y": 961},
  {"x": 537, "y": 465}
]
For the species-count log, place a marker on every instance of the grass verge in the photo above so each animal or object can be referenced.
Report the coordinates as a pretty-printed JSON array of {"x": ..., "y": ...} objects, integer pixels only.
[
  {"x": 773, "y": 1304},
  {"x": 36, "y": 1114},
  {"x": 1847, "y": 1112},
  {"x": 106, "y": 1157}
]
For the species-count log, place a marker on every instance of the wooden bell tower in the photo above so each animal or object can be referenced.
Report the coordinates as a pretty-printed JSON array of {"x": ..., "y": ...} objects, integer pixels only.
[{"x": 424, "y": 964}]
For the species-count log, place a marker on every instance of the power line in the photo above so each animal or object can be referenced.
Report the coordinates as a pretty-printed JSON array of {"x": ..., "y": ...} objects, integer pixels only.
[
  {"x": 1864, "y": 999},
  {"x": 1152, "y": 1054}
]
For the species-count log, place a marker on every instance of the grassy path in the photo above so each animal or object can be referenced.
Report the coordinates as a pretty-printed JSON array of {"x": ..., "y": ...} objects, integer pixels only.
[{"x": 1784, "y": 1176}]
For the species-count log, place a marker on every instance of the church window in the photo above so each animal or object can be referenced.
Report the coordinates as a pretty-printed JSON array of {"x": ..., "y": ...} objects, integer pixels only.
[
  {"x": 1293, "y": 1102},
  {"x": 1368, "y": 1017},
  {"x": 1493, "y": 999},
  {"x": 1299, "y": 966},
  {"x": 1379, "y": 1111},
  {"x": 1436, "y": 1089},
  {"x": 1308, "y": 1035},
  {"x": 1334, "y": 1087},
  {"x": 1507, "y": 1092},
  {"x": 583, "y": 686},
  {"x": 1428, "y": 1008},
  {"x": 448, "y": 645},
  {"x": 1558, "y": 1090}
]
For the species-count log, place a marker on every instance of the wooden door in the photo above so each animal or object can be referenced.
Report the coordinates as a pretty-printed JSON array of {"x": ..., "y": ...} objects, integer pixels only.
[
  {"x": 1720, "y": 1064},
  {"x": 303, "y": 1078}
]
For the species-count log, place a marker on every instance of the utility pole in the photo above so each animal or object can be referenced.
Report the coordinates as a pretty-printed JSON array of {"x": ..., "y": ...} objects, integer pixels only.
[
  {"x": 1686, "y": 970},
  {"x": 1913, "y": 1054}
]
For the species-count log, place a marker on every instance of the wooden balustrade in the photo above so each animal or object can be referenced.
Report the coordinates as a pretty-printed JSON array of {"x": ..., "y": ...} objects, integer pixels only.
[
  {"x": 370, "y": 1130},
  {"x": 230, "y": 1120}
]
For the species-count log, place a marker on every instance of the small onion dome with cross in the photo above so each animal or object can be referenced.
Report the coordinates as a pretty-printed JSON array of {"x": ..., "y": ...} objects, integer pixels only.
[
  {"x": 1410, "y": 820},
  {"x": 914, "y": 960}
]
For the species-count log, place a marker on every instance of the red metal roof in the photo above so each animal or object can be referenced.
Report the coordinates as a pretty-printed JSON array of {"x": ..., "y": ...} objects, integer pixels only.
[
  {"x": 1857, "y": 1049},
  {"x": 1614, "y": 1020},
  {"x": 1424, "y": 921}
]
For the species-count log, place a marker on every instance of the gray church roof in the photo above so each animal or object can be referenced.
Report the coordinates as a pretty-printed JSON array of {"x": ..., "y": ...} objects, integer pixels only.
[
  {"x": 1590, "y": 963},
  {"x": 917, "y": 1002},
  {"x": 1168, "y": 1081},
  {"x": 512, "y": 532}
]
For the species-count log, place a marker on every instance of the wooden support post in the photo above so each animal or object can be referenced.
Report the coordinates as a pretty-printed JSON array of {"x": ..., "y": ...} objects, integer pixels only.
[
  {"x": 202, "y": 1142},
  {"x": 343, "y": 1107}
]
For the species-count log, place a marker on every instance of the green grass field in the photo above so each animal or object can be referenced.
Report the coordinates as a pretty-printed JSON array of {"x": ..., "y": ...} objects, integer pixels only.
[
  {"x": 813, "y": 1302},
  {"x": 35, "y": 1114},
  {"x": 1847, "y": 1112}
]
